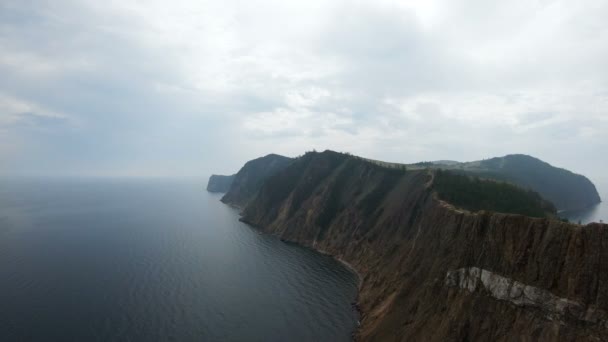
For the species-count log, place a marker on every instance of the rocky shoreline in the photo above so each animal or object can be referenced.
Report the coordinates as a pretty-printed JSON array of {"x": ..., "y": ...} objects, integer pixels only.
[{"x": 407, "y": 247}]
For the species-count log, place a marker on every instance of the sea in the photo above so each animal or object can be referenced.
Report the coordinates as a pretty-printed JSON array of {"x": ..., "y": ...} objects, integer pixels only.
[
  {"x": 596, "y": 213},
  {"x": 157, "y": 260}
]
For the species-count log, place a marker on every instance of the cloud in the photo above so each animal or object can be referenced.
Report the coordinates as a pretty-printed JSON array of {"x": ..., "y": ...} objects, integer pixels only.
[
  {"x": 14, "y": 112},
  {"x": 195, "y": 87}
]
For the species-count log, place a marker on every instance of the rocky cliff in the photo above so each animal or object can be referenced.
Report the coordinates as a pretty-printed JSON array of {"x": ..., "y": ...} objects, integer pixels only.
[
  {"x": 250, "y": 177},
  {"x": 219, "y": 183},
  {"x": 433, "y": 272}
]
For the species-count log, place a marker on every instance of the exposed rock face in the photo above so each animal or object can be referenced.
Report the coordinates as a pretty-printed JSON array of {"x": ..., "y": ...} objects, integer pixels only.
[
  {"x": 520, "y": 294},
  {"x": 250, "y": 177},
  {"x": 218, "y": 183},
  {"x": 431, "y": 272}
]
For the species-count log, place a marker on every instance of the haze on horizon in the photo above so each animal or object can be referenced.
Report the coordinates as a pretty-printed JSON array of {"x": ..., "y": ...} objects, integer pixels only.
[{"x": 190, "y": 88}]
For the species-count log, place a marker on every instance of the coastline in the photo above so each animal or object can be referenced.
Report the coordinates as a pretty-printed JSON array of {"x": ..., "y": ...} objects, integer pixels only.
[
  {"x": 342, "y": 261},
  {"x": 349, "y": 266},
  {"x": 413, "y": 239},
  {"x": 355, "y": 305}
]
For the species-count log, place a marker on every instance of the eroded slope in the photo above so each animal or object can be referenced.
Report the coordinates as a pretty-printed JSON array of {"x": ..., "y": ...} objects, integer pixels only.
[{"x": 431, "y": 271}]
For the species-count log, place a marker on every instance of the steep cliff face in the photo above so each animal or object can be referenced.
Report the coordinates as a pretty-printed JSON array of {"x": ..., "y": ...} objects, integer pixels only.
[
  {"x": 219, "y": 183},
  {"x": 250, "y": 177},
  {"x": 430, "y": 271}
]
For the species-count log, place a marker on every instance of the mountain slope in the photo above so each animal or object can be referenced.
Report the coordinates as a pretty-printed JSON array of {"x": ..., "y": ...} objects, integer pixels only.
[
  {"x": 250, "y": 177},
  {"x": 475, "y": 194},
  {"x": 434, "y": 272},
  {"x": 567, "y": 190}
]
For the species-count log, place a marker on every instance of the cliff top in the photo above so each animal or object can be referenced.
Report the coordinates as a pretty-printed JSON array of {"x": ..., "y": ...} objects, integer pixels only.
[{"x": 537, "y": 186}]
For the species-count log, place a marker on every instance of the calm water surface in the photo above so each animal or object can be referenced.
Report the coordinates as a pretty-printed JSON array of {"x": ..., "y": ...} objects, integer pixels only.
[
  {"x": 596, "y": 213},
  {"x": 156, "y": 261}
]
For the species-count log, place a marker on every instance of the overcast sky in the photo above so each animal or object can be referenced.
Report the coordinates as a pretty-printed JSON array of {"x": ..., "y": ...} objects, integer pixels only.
[{"x": 189, "y": 88}]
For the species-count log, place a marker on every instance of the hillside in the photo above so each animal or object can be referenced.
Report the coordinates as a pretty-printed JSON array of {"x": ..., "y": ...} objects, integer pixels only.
[
  {"x": 565, "y": 189},
  {"x": 250, "y": 177},
  {"x": 430, "y": 271},
  {"x": 475, "y": 194}
]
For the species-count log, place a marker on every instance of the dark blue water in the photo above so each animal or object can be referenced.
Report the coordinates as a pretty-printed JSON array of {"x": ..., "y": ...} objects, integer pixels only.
[
  {"x": 596, "y": 213},
  {"x": 156, "y": 261}
]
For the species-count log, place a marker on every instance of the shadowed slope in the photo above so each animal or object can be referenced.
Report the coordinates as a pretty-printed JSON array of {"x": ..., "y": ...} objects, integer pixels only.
[
  {"x": 565, "y": 189},
  {"x": 250, "y": 177}
]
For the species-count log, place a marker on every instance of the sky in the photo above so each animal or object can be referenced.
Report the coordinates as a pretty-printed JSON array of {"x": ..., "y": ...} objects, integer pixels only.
[{"x": 190, "y": 88}]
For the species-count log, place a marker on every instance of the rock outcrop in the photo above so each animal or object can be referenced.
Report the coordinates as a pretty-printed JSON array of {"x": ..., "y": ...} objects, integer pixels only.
[
  {"x": 517, "y": 293},
  {"x": 433, "y": 272},
  {"x": 219, "y": 183}
]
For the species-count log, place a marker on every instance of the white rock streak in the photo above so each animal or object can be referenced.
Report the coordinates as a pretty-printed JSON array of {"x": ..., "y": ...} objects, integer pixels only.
[{"x": 475, "y": 279}]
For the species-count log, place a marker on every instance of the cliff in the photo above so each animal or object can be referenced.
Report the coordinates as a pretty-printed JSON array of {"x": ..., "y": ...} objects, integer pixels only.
[
  {"x": 565, "y": 189},
  {"x": 219, "y": 183},
  {"x": 433, "y": 272},
  {"x": 250, "y": 177}
]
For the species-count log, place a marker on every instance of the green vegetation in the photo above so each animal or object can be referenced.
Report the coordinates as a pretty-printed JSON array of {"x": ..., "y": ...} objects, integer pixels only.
[
  {"x": 568, "y": 191},
  {"x": 386, "y": 165},
  {"x": 474, "y": 194}
]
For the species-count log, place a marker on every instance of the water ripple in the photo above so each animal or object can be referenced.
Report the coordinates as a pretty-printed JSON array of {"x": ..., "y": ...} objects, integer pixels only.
[{"x": 131, "y": 261}]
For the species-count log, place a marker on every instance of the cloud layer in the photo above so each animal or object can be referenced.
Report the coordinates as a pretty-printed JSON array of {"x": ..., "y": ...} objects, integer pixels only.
[{"x": 193, "y": 87}]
